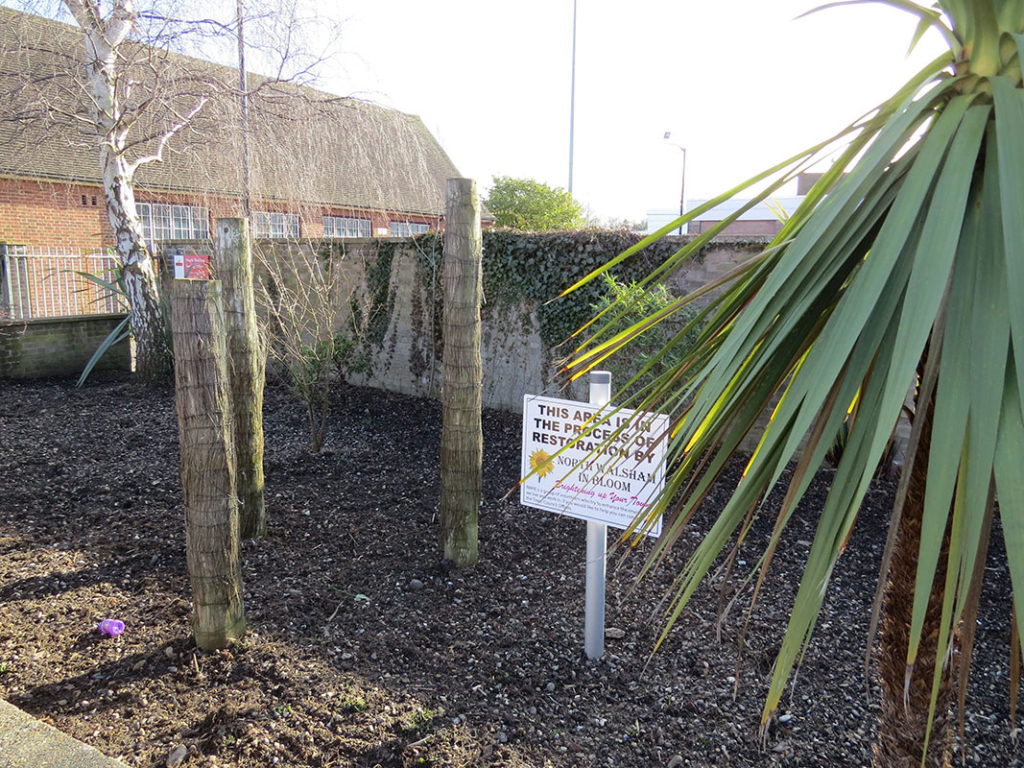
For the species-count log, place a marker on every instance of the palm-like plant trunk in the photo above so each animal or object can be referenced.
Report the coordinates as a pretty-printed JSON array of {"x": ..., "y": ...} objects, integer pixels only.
[
  {"x": 904, "y": 709},
  {"x": 246, "y": 368}
]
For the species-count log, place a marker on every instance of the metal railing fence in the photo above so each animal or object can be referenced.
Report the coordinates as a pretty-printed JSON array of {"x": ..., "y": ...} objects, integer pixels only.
[{"x": 45, "y": 282}]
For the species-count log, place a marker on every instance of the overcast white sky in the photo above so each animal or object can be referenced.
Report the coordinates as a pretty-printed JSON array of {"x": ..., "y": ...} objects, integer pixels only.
[{"x": 740, "y": 83}]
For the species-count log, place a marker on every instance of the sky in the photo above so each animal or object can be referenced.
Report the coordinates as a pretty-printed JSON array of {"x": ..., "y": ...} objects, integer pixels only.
[{"x": 740, "y": 83}]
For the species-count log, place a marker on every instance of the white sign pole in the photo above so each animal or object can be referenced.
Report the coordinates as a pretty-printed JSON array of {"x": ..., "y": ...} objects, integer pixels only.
[
  {"x": 597, "y": 546},
  {"x": 569, "y": 469}
]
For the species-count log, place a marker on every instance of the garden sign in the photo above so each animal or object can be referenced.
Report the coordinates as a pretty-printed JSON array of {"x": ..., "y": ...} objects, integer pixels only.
[
  {"x": 192, "y": 266},
  {"x": 606, "y": 484}
]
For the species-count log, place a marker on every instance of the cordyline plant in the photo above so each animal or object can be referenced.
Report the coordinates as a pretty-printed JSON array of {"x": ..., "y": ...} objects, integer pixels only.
[{"x": 901, "y": 272}]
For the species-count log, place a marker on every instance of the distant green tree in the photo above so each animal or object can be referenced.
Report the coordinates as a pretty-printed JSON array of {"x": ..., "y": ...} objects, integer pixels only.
[
  {"x": 616, "y": 222},
  {"x": 532, "y": 206}
]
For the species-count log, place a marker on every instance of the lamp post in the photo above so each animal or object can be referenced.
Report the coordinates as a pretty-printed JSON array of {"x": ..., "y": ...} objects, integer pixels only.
[
  {"x": 572, "y": 95},
  {"x": 682, "y": 186}
]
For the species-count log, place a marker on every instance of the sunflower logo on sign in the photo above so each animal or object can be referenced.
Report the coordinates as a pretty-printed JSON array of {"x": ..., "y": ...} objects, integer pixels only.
[{"x": 541, "y": 463}]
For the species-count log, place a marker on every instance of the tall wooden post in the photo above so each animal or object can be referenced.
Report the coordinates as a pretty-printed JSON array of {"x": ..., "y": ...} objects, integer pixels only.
[
  {"x": 246, "y": 368},
  {"x": 203, "y": 401},
  {"x": 462, "y": 435}
]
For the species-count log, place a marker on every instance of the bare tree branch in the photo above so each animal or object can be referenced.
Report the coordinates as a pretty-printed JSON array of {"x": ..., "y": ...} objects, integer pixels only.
[{"x": 165, "y": 137}]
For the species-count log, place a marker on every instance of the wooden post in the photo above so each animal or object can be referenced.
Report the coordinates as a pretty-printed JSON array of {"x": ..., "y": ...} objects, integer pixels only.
[
  {"x": 203, "y": 401},
  {"x": 462, "y": 435},
  {"x": 246, "y": 368}
]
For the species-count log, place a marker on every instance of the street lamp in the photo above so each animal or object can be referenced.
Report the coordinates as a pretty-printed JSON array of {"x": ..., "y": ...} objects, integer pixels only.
[
  {"x": 682, "y": 186},
  {"x": 572, "y": 95}
]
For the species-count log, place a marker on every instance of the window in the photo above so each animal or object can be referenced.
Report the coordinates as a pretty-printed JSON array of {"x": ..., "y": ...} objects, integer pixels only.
[
  {"x": 340, "y": 226},
  {"x": 407, "y": 228},
  {"x": 163, "y": 221},
  {"x": 273, "y": 224}
]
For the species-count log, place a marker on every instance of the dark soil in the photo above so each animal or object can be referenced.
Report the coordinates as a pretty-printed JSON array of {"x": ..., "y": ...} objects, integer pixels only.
[{"x": 364, "y": 650}]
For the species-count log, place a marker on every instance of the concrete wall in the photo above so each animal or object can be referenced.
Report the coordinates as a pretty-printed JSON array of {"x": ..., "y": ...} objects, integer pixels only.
[
  {"x": 516, "y": 361},
  {"x": 407, "y": 357},
  {"x": 58, "y": 346}
]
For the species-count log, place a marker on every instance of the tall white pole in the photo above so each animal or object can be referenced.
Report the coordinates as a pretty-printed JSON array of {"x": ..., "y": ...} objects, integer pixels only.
[
  {"x": 572, "y": 95},
  {"x": 682, "y": 191},
  {"x": 597, "y": 546}
]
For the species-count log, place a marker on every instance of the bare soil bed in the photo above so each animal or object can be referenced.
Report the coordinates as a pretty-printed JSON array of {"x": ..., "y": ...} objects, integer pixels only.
[{"x": 364, "y": 649}]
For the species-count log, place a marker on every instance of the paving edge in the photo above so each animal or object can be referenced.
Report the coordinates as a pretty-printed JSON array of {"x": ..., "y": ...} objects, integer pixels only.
[{"x": 26, "y": 742}]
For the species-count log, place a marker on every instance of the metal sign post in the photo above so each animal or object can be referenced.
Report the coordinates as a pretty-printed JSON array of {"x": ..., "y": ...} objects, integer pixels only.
[
  {"x": 604, "y": 468},
  {"x": 597, "y": 546}
]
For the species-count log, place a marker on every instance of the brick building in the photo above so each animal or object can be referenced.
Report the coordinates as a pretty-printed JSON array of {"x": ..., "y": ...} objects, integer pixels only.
[{"x": 319, "y": 166}]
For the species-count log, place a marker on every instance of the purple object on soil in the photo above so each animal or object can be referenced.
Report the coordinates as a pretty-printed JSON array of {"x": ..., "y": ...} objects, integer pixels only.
[{"x": 112, "y": 627}]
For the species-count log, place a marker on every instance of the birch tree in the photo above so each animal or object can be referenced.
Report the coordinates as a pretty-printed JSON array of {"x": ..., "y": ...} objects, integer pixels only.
[
  {"x": 137, "y": 101},
  {"x": 112, "y": 115}
]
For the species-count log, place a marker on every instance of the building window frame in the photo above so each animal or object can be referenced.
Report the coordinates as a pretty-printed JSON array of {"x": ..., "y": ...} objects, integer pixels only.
[
  {"x": 173, "y": 221},
  {"x": 275, "y": 225},
  {"x": 407, "y": 228},
  {"x": 346, "y": 226}
]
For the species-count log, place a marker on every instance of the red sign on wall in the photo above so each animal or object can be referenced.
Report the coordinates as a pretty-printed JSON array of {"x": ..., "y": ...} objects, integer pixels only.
[{"x": 193, "y": 266}]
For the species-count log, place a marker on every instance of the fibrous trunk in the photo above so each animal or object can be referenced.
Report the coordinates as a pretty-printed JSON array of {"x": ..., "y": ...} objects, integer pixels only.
[
  {"x": 462, "y": 436},
  {"x": 203, "y": 402},
  {"x": 246, "y": 368},
  {"x": 905, "y": 705}
]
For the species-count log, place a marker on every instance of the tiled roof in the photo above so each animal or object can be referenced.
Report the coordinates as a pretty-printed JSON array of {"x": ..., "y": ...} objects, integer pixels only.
[{"x": 307, "y": 146}]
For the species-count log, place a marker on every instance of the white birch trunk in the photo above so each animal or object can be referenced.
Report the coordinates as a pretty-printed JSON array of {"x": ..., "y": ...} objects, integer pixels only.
[{"x": 102, "y": 38}]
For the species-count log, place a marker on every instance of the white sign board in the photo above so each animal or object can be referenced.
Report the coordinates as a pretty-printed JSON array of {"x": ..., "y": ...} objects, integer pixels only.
[{"x": 609, "y": 485}]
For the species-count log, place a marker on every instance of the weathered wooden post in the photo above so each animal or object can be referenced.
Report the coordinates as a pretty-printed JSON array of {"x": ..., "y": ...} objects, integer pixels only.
[
  {"x": 462, "y": 435},
  {"x": 203, "y": 401},
  {"x": 246, "y": 369}
]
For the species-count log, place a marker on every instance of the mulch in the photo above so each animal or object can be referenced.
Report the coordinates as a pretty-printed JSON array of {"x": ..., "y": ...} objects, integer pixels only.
[{"x": 364, "y": 649}]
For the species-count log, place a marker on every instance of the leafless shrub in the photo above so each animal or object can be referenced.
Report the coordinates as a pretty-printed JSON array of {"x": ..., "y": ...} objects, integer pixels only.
[{"x": 315, "y": 313}]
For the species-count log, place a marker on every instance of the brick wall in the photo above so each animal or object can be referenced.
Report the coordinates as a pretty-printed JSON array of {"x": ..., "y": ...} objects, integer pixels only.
[
  {"x": 70, "y": 215},
  {"x": 58, "y": 346},
  {"x": 52, "y": 214},
  {"x": 754, "y": 227}
]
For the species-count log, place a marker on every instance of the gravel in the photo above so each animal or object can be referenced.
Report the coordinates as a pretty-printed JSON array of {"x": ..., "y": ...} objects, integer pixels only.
[{"x": 364, "y": 649}]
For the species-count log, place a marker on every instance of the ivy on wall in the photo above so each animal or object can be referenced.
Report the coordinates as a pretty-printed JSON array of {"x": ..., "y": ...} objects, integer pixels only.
[
  {"x": 381, "y": 294},
  {"x": 533, "y": 268},
  {"x": 536, "y": 267},
  {"x": 520, "y": 269}
]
